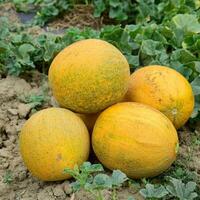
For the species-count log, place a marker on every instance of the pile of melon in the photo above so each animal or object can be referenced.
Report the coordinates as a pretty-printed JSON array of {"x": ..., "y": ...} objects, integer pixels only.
[{"x": 130, "y": 121}]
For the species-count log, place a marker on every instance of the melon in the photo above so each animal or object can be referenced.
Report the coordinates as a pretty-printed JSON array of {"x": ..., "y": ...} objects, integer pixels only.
[
  {"x": 136, "y": 139},
  {"x": 51, "y": 140},
  {"x": 88, "y": 76},
  {"x": 164, "y": 89}
]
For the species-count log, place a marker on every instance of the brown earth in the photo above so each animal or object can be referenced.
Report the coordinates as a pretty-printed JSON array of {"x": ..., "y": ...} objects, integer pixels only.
[
  {"x": 8, "y": 10},
  {"x": 81, "y": 16}
]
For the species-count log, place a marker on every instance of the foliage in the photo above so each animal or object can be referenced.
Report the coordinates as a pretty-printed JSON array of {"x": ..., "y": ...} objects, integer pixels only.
[
  {"x": 142, "y": 11},
  {"x": 117, "y": 9},
  {"x": 37, "y": 100},
  {"x": 86, "y": 179},
  {"x": 139, "y": 11},
  {"x": 90, "y": 178},
  {"x": 174, "y": 43},
  {"x": 151, "y": 191},
  {"x": 45, "y": 10},
  {"x": 174, "y": 188},
  {"x": 8, "y": 177},
  {"x": 182, "y": 191},
  {"x": 22, "y": 51}
]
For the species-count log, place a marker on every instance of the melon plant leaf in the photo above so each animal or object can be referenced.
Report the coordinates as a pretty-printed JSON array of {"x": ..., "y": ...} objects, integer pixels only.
[
  {"x": 115, "y": 3},
  {"x": 76, "y": 186},
  {"x": 131, "y": 198},
  {"x": 117, "y": 13},
  {"x": 151, "y": 48},
  {"x": 195, "y": 111},
  {"x": 102, "y": 181},
  {"x": 133, "y": 60},
  {"x": 24, "y": 49},
  {"x": 99, "y": 7},
  {"x": 197, "y": 66},
  {"x": 182, "y": 191},
  {"x": 183, "y": 55},
  {"x": 151, "y": 191},
  {"x": 88, "y": 167},
  {"x": 196, "y": 85},
  {"x": 187, "y": 22},
  {"x": 83, "y": 174},
  {"x": 118, "y": 178}
]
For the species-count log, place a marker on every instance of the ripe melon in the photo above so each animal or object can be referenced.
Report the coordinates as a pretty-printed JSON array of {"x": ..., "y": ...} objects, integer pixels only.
[
  {"x": 89, "y": 76},
  {"x": 135, "y": 138},
  {"x": 51, "y": 140},
  {"x": 164, "y": 89}
]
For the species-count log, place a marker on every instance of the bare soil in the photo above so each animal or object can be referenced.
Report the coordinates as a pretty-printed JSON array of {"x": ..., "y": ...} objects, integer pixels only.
[
  {"x": 81, "y": 16},
  {"x": 8, "y": 10}
]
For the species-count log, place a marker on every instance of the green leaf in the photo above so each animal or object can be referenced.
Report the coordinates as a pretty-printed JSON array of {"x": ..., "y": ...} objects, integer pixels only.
[
  {"x": 111, "y": 33},
  {"x": 99, "y": 7},
  {"x": 88, "y": 167},
  {"x": 151, "y": 191},
  {"x": 131, "y": 198},
  {"x": 117, "y": 13},
  {"x": 114, "y": 3},
  {"x": 197, "y": 66},
  {"x": 102, "y": 181},
  {"x": 182, "y": 191},
  {"x": 196, "y": 110},
  {"x": 75, "y": 186},
  {"x": 133, "y": 60},
  {"x": 187, "y": 22},
  {"x": 183, "y": 55},
  {"x": 196, "y": 85},
  {"x": 118, "y": 178},
  {"x": 24, "y": 49},
  {"x": 151, "y": 48}
]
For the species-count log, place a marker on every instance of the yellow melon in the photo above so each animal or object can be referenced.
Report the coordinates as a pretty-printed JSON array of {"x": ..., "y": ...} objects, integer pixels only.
[
  {"x": 88, "y": 76},
  {"x": 135, "y": 138},
  {"x": 51, "y": 140},
  {"x": 164, "y": 89}
]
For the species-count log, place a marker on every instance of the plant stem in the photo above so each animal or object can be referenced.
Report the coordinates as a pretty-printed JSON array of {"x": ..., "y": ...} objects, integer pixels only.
[
  {"x": 99, "y": 196},
  {"x": 114, "y": 194}
]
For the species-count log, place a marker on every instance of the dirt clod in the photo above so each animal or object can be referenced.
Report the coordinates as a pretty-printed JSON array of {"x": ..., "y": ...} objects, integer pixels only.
[
  {"x": 67, "y": 188},
  {"x": 12, "y": 111},
  {"x": 24, "y": 109},
  {"x": 58, "y": 191}
]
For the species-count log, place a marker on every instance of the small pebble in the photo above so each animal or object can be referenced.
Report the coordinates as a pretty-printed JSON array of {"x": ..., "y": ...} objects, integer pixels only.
[
  {"x": 24, "y": 109},
  {"x": 12, "y": 111},
  {"x": 58, "y": 191}
]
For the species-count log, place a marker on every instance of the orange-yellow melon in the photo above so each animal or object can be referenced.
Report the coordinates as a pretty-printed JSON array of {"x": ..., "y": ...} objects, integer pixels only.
[
  {"x": 51, "y": 140},
  {"x": 135, "y": 138},
  {"x": 89, "y": 76},
  {"x": 89, "y": 119},
  {"x": 164, "y": 89}
]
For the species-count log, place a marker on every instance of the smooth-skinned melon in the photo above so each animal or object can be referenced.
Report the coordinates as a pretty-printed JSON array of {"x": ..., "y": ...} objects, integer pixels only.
[
  {"x": 164, "y": 89},
  {"x": 88, "y": 76},
  {"x": 135, "y": 138},
  {"x": 51, "y": 140}
]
